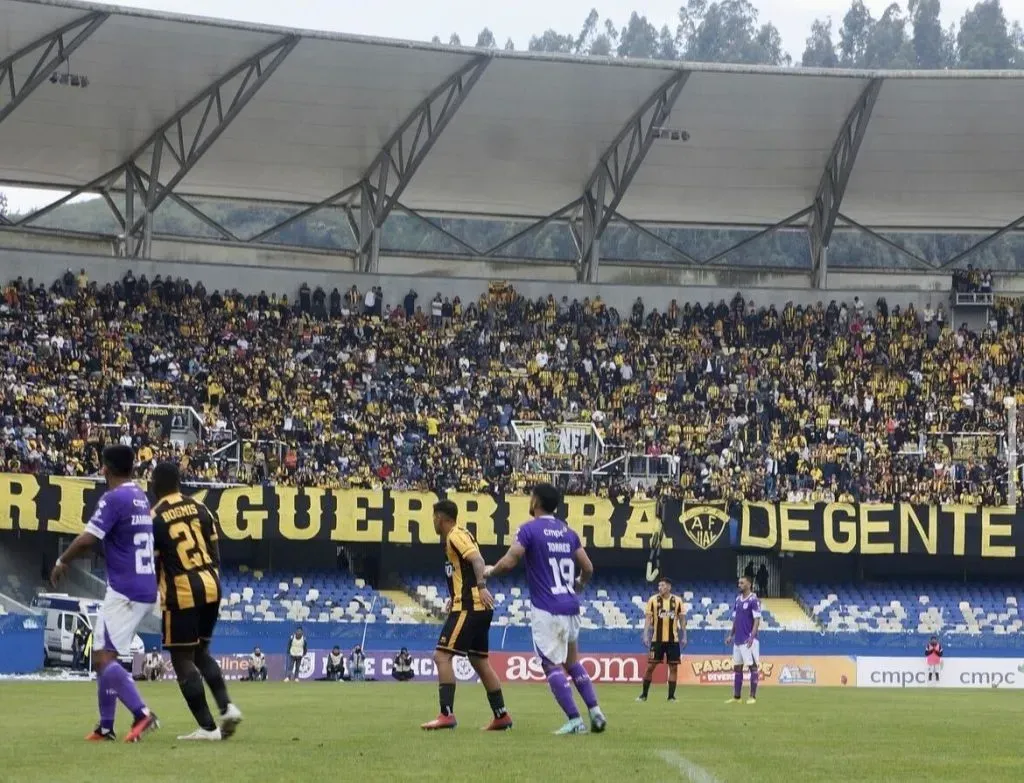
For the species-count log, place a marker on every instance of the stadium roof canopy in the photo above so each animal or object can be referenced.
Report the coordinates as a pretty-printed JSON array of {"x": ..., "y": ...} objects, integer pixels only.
[{"x": 111, "y": 100}]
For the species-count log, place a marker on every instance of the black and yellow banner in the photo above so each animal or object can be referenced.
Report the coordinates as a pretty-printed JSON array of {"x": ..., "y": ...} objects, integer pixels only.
[
  {"x": 59, "y": 504},
  {"x": 883, "y": 529}
]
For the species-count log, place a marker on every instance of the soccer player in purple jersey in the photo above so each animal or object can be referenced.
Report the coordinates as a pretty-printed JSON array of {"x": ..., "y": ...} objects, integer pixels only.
[
  {"x": 122, "y": 522},
  {"x": 557, "y": 566},
  {"x": 746, "y": 650}
]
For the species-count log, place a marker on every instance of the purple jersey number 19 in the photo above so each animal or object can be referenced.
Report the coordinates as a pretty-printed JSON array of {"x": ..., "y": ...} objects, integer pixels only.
[{"x": 550, "y": 566}]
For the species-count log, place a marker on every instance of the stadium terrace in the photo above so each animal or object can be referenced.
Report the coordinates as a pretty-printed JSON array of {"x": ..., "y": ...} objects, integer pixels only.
[{"x": 457, "y": 375}]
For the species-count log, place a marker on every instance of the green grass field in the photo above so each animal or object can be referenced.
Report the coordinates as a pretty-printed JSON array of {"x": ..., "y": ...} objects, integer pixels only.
[{"x": 370, "y": 732}]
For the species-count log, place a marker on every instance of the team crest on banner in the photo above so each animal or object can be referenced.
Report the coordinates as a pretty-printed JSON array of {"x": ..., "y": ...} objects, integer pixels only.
[
  {"x": 552, "y": 442},
  {"x": 704, "y": 525}
]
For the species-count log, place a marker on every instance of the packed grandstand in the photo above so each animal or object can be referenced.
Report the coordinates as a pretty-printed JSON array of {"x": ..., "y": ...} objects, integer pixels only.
[
  {"x": 735, "y": 399},
  {"x": 875, "y": 396}
]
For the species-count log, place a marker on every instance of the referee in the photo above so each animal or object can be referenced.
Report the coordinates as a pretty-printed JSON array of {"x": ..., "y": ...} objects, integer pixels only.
[{"x": 666, "y": 620}]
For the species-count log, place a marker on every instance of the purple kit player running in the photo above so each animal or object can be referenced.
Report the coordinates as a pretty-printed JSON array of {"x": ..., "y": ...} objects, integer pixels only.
[
  {"x": 746, "y": 650},
  {"x": 122, "y": 522},
  {"x": 553, "y": 554}
]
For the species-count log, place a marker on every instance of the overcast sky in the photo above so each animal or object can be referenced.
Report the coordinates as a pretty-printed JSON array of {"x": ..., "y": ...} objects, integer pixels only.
[{"x": 422, "y": 19}]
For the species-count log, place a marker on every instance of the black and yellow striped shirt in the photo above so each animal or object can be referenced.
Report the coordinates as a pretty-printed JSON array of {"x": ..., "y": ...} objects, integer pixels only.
[
  {"x": 187, "y": 554},
  {"x": 459, "y": 546},
  {"x": 662, "y": 614}
]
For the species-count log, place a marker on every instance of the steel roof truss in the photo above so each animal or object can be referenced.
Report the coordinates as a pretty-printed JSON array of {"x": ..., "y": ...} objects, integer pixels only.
[
  {"x": 53, "y": 49},
  {"x": 618, "y": 166},
  {"x": 560, "y": 213},
  {"x": 438, "y": 228},
  {"x": 215, "y": 115},
  {"x": 786, "y": 221},
  {"x": 828, "y": 197},
  {"x": 191, "y": 209},
  {"x": 916, "y": 259},
  {"x": 402, "y": 154},
  {"x": 982, "y": 244},
  {"x": 683, "y": 255}
]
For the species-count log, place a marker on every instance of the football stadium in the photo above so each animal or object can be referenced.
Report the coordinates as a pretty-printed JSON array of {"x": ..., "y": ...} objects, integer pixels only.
[{"x": 757, "y": 329}]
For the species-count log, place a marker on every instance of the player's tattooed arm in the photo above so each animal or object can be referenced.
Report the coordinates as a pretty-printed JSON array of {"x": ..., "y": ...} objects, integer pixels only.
[
  {"x": 82, "y": 544},
  {"x": 508, "y": 562}
]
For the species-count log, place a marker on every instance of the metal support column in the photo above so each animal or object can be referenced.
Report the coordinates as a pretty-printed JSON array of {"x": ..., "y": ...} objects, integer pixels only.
[
  {"x": 367, "y": 253},
  {"x": 393, "y": 168},
  {"x": 53, "y": 49},
  {"x": 1011, "y": 450},
  {"x": 618, "y": 166},
  {"x": 829, "y": 196},
  {"x": 129, "y": 212},
  {"x": 820, "y": 273}
]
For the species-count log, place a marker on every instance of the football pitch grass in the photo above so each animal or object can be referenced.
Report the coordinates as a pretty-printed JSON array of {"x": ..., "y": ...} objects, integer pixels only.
[{"x": 370, "y": 731}]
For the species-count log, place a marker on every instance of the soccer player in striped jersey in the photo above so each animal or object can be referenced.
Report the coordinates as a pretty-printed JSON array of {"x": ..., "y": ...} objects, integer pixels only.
[
  {"x": 664, "y": 635},
  {"x": 188, "y": 558},
  {"x": 465, "y": 632}
]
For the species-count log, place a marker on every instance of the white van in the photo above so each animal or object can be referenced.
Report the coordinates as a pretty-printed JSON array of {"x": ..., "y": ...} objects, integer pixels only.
[{"x": 65, "y": 615}]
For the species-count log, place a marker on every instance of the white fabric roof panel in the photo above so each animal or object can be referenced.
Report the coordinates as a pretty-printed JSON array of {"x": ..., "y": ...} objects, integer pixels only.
[
  {"x": 320, "y": 120},
  {"x": 942, "y": 149},
  {"x": 942, "y": 152},
  {"x": 529, "y": 136},
  {"x": 140, "y": 71},
  {"x": 757, "y": 149}
]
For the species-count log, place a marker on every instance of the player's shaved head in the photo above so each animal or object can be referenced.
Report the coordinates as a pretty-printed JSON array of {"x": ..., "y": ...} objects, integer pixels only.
[
  {"x": 166, "y": 480},
  {"x": 119, "y": 461}
]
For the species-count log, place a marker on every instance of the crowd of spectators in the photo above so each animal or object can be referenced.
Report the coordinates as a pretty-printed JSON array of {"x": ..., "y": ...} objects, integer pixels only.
[
  {"x": 972, "y": 281},
  {"x": 730, "y": 400}
]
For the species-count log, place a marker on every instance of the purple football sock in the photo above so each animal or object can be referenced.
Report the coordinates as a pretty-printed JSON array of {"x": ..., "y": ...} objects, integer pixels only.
[
  {"x": 562, "y": 690},
  {"x": 737, "y": 684},
  {"x": 108, "y": 703},
  {"x": 119, "y": 681},
  {"x": 583, "y": 684},
  {"x": 753, "y": 682}
]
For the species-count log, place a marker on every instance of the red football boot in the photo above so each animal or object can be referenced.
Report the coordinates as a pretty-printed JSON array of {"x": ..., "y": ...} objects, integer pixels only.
[
  {"x": 504, "y": 723},
  {"x": 440, "y": 722}
]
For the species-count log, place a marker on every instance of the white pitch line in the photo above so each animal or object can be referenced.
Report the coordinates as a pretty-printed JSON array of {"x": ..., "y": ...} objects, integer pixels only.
[{"x": 689, "y": 770}]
